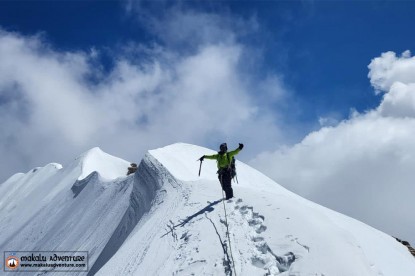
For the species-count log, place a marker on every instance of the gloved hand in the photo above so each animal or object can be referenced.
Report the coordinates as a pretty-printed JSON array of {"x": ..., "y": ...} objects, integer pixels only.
[
  {"x": 201, "y": 158},
  {"x": 241, "y": 146}
]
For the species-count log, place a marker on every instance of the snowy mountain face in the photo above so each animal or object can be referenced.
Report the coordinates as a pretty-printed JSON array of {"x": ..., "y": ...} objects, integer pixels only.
[{"x": 166, "y": 220}]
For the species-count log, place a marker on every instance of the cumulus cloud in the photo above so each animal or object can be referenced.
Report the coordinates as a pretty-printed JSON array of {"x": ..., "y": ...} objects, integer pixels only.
[
  {"x": 399, "y": 101},
  {"x": 395, "y": 76},
  {"x": 56, "y": 104},
  {"x": 389, "y": 69},
  {"x": 363, "y": 166}
]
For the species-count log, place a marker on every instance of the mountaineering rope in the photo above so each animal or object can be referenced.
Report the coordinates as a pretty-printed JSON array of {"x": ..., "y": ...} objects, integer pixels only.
[{"x": 227, "y": 229}]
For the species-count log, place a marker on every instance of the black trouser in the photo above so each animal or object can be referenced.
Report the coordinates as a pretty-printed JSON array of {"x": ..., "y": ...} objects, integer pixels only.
[{"x": 225, "y": 179}]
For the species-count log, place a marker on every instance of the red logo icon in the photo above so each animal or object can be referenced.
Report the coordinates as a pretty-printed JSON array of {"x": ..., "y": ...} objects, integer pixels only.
[{"x": 12, "y": 262}]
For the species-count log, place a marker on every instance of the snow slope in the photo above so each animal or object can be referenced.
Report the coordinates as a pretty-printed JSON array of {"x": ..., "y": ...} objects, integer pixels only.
[
  {"x": 272, "y": 231},
  {"x": 165, "y": 220},
  {"x": 45, "y": 210}
]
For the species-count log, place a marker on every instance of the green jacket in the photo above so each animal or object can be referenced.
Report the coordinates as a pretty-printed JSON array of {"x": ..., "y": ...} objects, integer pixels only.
[{"x": 222, "y": 159}]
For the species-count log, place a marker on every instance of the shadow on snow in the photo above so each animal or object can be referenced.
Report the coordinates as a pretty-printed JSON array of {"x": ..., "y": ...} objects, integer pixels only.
[{"x": 209, "y": 208}]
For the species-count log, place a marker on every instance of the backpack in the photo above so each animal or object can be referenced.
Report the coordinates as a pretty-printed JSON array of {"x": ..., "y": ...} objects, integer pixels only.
[{"x": 232, "y": 166}]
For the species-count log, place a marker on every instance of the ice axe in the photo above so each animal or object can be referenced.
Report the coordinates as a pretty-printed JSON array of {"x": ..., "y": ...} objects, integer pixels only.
[{"x": 200, "y": 167}]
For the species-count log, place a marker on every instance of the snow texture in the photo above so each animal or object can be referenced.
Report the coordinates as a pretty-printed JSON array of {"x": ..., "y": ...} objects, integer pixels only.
[{"x": 166, "y": 220}]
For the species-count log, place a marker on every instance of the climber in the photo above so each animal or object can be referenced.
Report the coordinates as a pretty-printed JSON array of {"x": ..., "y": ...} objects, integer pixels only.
[
  {"x": 226, "y": 167},
  {"x": 132, "y": 169}
]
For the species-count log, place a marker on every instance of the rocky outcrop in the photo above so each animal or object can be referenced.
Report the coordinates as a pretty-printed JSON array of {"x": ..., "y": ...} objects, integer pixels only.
[{"x": 410, "y": 248}]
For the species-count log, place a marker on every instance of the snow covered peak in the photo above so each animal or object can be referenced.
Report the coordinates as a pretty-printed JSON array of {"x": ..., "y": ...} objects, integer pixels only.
[
  {"x": 33, "y": 172},
  {"x": 181, "y": 160},
  {"x": 166, "y": 219},
  {"x": 109, "y": 167}
]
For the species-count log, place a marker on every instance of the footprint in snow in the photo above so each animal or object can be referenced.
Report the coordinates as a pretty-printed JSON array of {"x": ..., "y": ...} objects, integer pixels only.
[{"x": 264, "y": 257}]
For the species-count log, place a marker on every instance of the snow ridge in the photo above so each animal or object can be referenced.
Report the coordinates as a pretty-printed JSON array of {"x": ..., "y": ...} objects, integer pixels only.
[
  {"x": 64, "y": 209},
  {"x": 166, "y": 220},
  {"x": 146, "y": 183},
  {"x": 109, "y": 167},
  {"x": 142, "y": 254}
]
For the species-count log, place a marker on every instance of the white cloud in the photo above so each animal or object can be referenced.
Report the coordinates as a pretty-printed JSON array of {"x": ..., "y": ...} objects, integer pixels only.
[
  {"x": 51, "y": 110},
  {"x": 189, "y": 28},
  {"x": 363, "y": 166},
  {"x": 389, "y": 69},
  {"x": 328, "y": 121},
  {"x": 396, "y": 77},
  {"x": 399, "y": 101}
]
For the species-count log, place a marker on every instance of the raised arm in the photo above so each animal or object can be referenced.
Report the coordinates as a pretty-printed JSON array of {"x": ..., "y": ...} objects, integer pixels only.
[{"x": 235, "y": 152}]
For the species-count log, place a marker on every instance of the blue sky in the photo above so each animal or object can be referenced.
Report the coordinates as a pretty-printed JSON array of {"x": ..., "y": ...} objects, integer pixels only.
[
  {"x": 322, "y": 48},
  {"x": 315, "y": 52}
]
